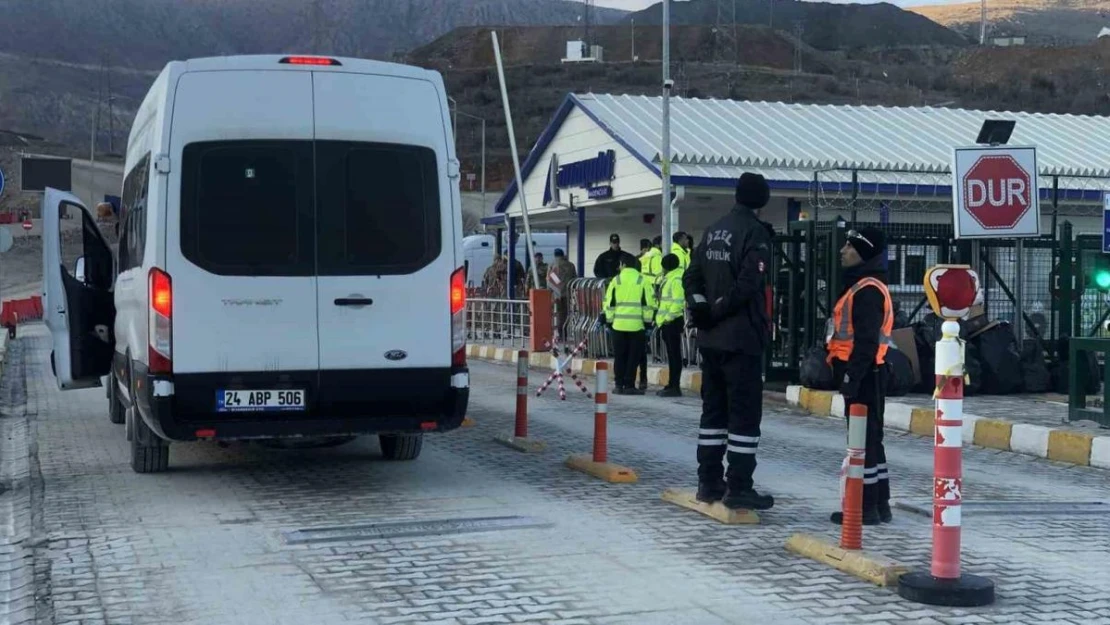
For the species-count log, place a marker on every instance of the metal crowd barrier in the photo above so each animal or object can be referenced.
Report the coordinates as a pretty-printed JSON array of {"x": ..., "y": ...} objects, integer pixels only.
[
  {"x": 498, "y": 321},
  {"x": 585, "y": 297}
]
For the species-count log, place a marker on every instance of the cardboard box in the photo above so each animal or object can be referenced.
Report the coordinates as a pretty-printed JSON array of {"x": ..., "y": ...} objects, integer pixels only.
[{"x": 904, "y": 341}]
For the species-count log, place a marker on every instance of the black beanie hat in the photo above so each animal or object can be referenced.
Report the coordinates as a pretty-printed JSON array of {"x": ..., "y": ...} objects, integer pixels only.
[
  {"x": 752, "y": 191},
  {"x": 670, "y": 262},
  {"x": 869, "y": 242}
]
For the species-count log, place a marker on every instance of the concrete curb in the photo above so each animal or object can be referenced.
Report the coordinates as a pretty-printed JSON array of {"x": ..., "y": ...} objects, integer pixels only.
[{"x": 1069, "y": 446}]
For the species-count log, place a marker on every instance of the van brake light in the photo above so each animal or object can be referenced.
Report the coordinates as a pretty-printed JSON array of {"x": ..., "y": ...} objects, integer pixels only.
[
  {"x": 309, "y": 60},
  {"x": 458, "y": 317},
  {"x": 160, "y": 323},
  {"x": 458, "y": 290}
]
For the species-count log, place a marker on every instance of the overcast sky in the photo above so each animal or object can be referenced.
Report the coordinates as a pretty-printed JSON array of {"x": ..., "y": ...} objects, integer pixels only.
[{"x": 634, "y": 5}]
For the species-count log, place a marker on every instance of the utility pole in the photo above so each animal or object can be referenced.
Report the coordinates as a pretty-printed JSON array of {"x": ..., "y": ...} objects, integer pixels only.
[
  {"x": 982, "y": 22},
  {"x": 633, "y": 59},
  {"x": 665, "y": 152},
  {"x": 798, "y": 31},
  {"x": 587, "y": 15}
]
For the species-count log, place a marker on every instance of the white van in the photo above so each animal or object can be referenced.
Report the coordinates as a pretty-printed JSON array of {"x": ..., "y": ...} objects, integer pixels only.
[
  {"x": 289, "y": 264},
  {"x": 479, "y": 249}
]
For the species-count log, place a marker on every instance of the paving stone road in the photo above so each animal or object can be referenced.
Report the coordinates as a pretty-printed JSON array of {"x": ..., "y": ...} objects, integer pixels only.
[{"x": 85, "y": 540}]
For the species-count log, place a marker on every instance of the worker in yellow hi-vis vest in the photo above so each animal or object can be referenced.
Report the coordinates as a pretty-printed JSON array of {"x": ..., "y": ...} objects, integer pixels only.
[
  {"x": 671, "y": 321},
  {"x": 629, "y": 310}
]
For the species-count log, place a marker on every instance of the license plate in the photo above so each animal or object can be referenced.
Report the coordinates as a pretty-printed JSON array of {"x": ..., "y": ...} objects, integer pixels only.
[{"x": 259, "y": 401}]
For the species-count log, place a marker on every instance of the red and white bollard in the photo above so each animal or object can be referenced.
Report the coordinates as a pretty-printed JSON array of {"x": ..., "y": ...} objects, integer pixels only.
[
  {"x": 601, "y": 414},
  {"x": 851, "y": 523},
  {"x": 520, "y": 428},
  {"x": 943, "y": 584}
]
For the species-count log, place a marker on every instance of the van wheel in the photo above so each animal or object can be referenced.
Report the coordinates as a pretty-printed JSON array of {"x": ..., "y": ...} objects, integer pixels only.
[
  {"x": 116, "y": 412},
  {"x": 149, "y": 453},
  {"x": 401, "y": 446}
]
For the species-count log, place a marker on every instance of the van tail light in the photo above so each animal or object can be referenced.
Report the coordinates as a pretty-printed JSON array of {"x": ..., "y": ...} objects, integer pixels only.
[
  {"x": 160, "y": 323},
  {"x": 458, "y": 317}
]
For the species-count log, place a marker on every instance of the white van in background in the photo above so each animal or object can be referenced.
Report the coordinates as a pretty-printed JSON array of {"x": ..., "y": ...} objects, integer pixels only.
[
  {"x": 290, "y": 261},
  {"x": 479, "y": 250}
]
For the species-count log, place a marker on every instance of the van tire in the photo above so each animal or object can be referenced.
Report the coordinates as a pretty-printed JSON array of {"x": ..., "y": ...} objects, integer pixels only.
[
  {"x": 149, "y": 453},
  {"x": 116, "y": 411},
  {"x": 401, "y": 446}
]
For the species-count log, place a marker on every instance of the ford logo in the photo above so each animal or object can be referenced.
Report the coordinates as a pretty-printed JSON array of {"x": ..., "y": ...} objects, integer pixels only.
[{"x": 396, "y": 354}]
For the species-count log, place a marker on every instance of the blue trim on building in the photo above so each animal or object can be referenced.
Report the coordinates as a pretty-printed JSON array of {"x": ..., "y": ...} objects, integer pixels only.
[{"x": 546, "y": 137}]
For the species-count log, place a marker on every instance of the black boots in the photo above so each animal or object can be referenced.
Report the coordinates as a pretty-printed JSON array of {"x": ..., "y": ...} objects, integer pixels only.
[
  {"x": 884, "y": 512},
  {"x": 711, "y": 492},
  {"x": 870, "y": 517},
  {"x": 669, "y": 392},
  {"x": 748, "y": 500}
]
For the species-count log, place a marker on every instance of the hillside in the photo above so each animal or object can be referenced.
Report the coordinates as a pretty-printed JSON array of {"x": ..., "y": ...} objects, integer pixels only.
[
  {"x": 825, "y": 25},
  {"x": 1041, "y": 21},
  {"x": 147, "y": 33},
  {"x": 469, "y": 48}
]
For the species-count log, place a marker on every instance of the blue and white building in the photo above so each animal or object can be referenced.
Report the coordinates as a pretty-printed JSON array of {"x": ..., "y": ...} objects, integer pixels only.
[{"x": 894, "y": 161}]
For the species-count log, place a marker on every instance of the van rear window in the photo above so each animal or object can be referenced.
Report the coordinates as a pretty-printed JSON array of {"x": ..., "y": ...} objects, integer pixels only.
[
  {"x": 246, "y": 207},
  {"x": 378, "y": 208}
]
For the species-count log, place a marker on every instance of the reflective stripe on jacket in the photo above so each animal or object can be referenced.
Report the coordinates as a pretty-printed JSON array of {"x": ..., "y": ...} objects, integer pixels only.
[
  {"x": 841, "y": 335},
  {"x": 672, "y": 298},
  {"x": 629, "y": 302}
]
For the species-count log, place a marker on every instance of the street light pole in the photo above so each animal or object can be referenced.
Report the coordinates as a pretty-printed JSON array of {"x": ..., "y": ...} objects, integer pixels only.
[
  {"x": 665, "y": 152},
  {"x": 483, "y": 120}
]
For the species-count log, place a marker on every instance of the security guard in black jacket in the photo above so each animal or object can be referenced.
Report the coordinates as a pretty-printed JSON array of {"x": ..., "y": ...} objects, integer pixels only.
[{"x": 725, "y": 289}]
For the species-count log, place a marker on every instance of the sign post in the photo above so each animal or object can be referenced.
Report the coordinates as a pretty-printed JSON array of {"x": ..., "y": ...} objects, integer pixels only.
[{"x": 996, "y": 195}]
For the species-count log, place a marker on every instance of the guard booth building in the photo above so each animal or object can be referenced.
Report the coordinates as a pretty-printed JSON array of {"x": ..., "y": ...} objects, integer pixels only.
[{"x": 856, "y": 164}]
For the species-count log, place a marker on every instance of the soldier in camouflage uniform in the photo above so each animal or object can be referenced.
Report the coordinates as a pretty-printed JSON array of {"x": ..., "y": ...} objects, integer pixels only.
[{"x": 558, "y": 279}]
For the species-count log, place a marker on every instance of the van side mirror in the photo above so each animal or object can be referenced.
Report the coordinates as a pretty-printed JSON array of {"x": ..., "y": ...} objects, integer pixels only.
[{"x": 79, "y": 270}]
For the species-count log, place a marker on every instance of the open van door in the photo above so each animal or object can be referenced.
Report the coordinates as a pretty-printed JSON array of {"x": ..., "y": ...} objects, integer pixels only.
[{"x": 77, "y": 304}]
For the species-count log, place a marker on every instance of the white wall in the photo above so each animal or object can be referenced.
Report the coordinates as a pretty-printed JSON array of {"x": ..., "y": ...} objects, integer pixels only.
[{"x": 577, "y": 139}]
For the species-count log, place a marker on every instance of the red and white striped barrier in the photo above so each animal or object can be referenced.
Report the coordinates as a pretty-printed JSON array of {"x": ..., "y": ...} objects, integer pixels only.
[
  {"x": 944, "y": 584},
  {"x": 851, "y": 523},
  {"x": 601, "y": 414},
  {"x": 947, "y": 456},
  {"x": 562, "y": 366},
  {"x": 520, "y": 429}
]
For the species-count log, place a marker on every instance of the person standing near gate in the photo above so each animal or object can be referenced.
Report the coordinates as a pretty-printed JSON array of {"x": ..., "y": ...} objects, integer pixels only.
[
  {"x": 559, "y": 277},
  {"x": 858, "y": 338},
  {"x": 671, "y": 321},
  {"x": 629, "y": 310},
  {"x": 724, "y": 287}
]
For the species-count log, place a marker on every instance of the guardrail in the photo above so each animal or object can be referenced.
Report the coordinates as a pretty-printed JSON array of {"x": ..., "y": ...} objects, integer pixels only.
[{"x": 498, "y": 321}]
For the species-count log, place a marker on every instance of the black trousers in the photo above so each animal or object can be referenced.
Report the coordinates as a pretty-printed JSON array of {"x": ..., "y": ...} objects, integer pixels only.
[
  {"x": 644, "y": 359},
  {"x": 628, "y": 347},
  {"x": 872, "y": 393},
  {"x": 732, "y": 410},
  {"x": 672, "y": 338}
]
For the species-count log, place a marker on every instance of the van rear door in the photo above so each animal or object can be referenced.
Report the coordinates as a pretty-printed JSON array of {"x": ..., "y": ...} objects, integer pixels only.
[
  {"x": 240, "y": 234},
  {"x": 386, "y": 233}
]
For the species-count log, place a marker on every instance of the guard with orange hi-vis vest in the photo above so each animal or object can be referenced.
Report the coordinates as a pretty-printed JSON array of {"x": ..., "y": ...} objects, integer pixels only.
[{"x": 858, "y": 338}]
